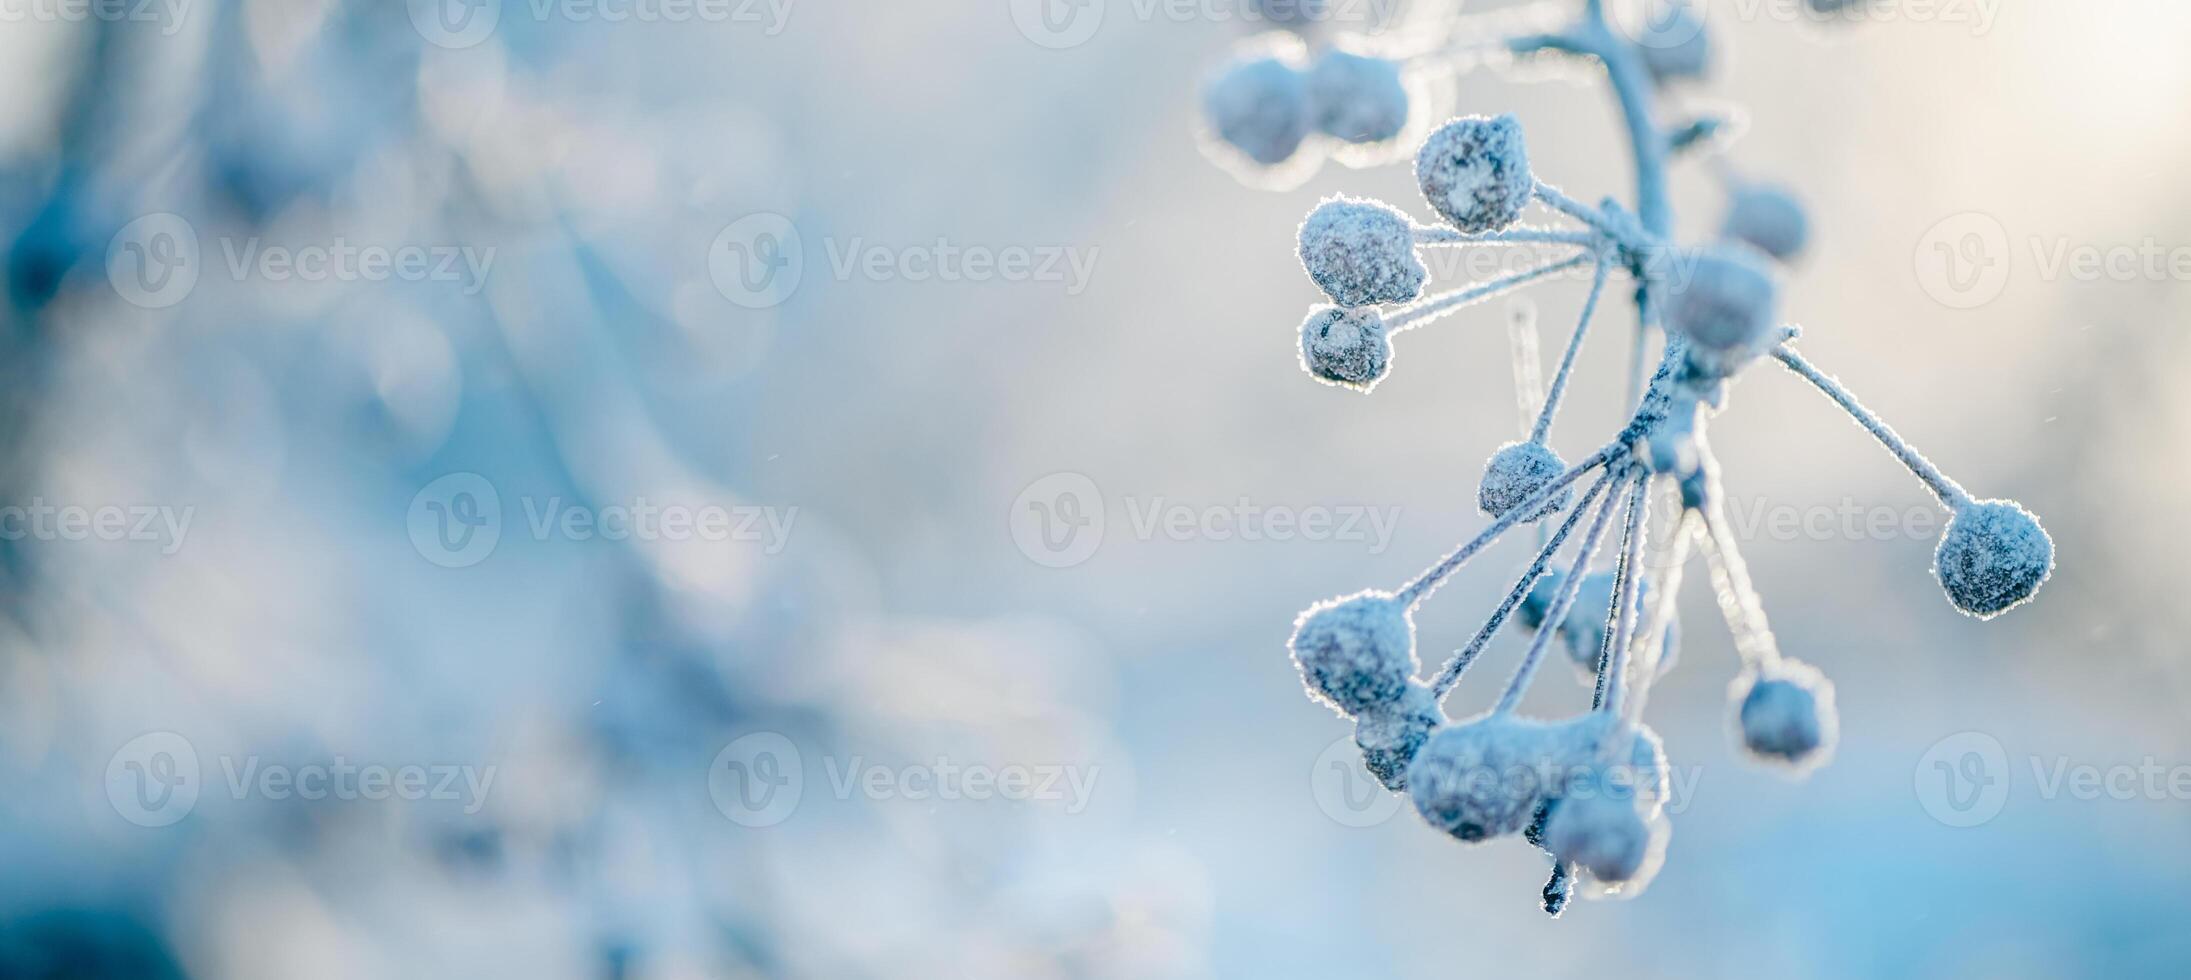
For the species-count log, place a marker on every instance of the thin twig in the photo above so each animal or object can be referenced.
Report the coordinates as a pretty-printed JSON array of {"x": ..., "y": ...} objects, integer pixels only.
[
  {"x": 1950, "y": 493},
  {"x": 1414, "y": 591},
  {"x": 1557, "y": 612},
  {"x": 1454, "y": 667}
]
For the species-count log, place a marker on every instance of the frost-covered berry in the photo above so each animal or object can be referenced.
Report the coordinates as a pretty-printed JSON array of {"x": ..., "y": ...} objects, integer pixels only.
[
  {"x": 1361, "y": 253},
  {"x": 1345, "y": 347},
  {"x": 1768, "y": 217},
  {"x": 1356, "y": 653},
  {"x": 1993, "y": 557},
  {"x": 1785, "y": 713},
  {"x": 1647, "y": 770},
  {"x": 1599, "y": 827},
  {"x": 1588, "y": 739},
  {"x": 1725, "y": 301},
  {"x": 1538, "y": 603},
  {"x": 1583, "y": 631},
  {"x": 1474, "y": 171},
  {"x": 1671, "y": 446},
  {"x": 1485, "y": 777},
  {"x": 1584, "y": 628},
  {"x": 1261, "y": 107},
  {"x": 1391, "y": 734},
  {"x": 1357, "y": 98},
  {"x": 1674, "y": 43},
  {"x": 1517, "y": 472}
]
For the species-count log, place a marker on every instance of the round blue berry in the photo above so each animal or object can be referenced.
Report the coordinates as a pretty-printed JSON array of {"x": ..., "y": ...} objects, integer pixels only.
[
  {"x": 1361, "y": 253},
  {"x": 1356, "y": 653},
  {"x": 1517, "y": 472},
  {"x": 1600, "y": 827},
  {"x": 1768, "y": 217},
  {"x": 1725, "y": 301},
  {"x": 1260, "y": 107},
  {"x": 1785, "y": 714},
  {"x": 1357, "y": 98},
  {"x": 1538, "y": 603},
  {"x": 1475, "y": 173},
  {"x": 1391, "y": 734},
  {"x": 1486, "y": 777},
  {"x": 1344, "y": 347},
  {"x": 1993, "y": 557}
]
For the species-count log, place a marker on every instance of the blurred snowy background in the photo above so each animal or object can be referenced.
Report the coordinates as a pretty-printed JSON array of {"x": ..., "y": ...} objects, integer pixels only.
[{"x": 360, "y": 361}]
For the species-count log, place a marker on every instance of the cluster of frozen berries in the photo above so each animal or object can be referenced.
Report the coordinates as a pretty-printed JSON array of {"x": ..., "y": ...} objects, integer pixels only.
[
  {"x": 1589, "y": 789},
  {"x": 1276, "y": 109}
]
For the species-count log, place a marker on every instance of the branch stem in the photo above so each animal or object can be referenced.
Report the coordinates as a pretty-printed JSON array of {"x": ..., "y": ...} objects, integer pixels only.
[
  {"x": 1738, "y": 603},
  {"x": 1430, "y": 308},
  {"x": 1414, "y": 592},
  {"x": 1567, "y": 360},
  {"x": 1451, "y": 673},
  {"x": 1950, "y": 493},
  {"x": 1557, "y": 612},
  {"x": 1627, "y": 594}
]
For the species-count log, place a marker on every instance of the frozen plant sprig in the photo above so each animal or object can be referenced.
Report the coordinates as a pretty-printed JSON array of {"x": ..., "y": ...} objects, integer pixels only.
[{"x": 1558, "y": 782}]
